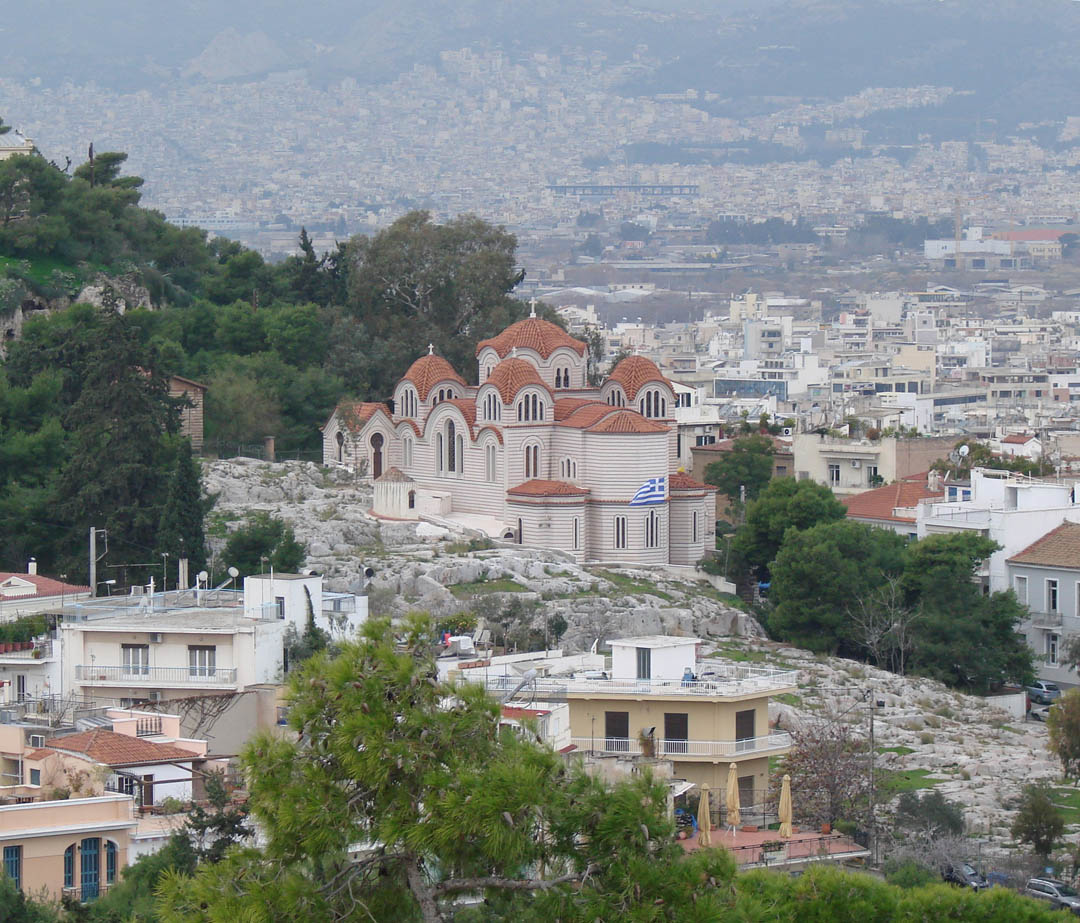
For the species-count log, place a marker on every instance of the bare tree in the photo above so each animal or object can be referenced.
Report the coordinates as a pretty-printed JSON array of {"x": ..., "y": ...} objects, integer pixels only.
[
  {"x": 884, "y": 624},
  {"x": 828, "y": 768}
]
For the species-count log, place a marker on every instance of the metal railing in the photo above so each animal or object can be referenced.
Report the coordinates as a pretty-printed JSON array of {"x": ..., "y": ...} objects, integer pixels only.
[
  {"x": 1046, "y": 620},
  {"x": 148, "y": 727},
  {"x": 156, "y": 676},
  {"x": 726, "y": 680},
  {"x": 676, "y": 749}
]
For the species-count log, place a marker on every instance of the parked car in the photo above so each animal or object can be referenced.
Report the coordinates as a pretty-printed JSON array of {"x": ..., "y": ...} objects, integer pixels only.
[
  {"x": 964, "y": 875},
  {"x": 1039, "y": 712},
  {"x": 1043, "y": 692},
  {"x": 1054, "y": 892}
]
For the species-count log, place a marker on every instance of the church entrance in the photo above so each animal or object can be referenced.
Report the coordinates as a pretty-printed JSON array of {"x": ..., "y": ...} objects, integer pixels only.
[{"x": 376, "y": 455}]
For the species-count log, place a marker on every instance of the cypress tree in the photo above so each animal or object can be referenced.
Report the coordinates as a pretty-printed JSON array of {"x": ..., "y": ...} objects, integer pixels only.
[{"x": 181, "y": 532}]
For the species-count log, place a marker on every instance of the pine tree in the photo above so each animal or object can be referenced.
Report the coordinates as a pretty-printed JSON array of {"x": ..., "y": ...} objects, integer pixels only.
[{"x": 181, "y": 533}]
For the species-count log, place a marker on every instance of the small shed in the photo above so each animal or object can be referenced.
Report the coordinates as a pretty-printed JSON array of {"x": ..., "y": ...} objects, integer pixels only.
[
  {"x": 395, "y": 495},
  {"x": 191, "y": 414}
]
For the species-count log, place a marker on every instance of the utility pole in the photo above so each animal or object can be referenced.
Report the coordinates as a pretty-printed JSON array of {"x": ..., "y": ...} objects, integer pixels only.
[{"x": 95, "y": 557}]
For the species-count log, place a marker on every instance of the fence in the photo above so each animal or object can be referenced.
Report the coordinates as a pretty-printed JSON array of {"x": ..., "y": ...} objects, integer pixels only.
[{"x": 219, "y": 448}]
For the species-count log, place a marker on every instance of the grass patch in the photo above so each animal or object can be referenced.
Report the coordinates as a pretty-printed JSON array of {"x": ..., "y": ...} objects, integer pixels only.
[
  {"x": 731, "y": 650},
  {"x": 788, "y": 698},
  {"x": 632, "y": 586},
  {"x": 483, "y": 587},
  {"x": 899, "y": 751},
  {"x": 1067, "y": 801},
  {"x": 891, "y": 782}
]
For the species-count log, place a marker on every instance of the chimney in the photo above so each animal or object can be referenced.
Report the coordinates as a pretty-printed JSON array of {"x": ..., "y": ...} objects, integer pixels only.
[{"x": 31, "y": 567}]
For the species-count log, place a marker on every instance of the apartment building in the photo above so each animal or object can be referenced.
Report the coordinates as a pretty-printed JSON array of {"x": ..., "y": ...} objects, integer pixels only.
[
  {"x": 658, "y": 700},
  {"x": 850, "y": 466}
]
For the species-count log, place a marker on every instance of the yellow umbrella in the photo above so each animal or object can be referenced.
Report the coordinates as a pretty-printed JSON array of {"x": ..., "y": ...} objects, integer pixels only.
[
  {"x": 704, "y": 819},
  {"x": 785, "y": 807},
  {"x": 733, "y": 817}
]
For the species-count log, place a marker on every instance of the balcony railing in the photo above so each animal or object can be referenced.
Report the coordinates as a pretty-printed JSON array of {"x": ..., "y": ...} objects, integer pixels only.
[
  {"x": 1046, "y": 619},
  {"x": 725, "y": 680},
  {"x": 155, "y": 676},
  {"x": 666, "y": 747}
]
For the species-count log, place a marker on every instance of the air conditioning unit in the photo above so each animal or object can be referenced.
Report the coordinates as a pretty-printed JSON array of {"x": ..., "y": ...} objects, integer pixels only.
[
  {"x": 155, "y": 695},
  {"x": 855, "y": 463},
  {"x": 156, "y": 637}
]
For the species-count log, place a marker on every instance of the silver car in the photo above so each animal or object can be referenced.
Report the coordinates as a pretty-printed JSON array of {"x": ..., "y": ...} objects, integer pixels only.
[{"x": 1054, "y": 892}]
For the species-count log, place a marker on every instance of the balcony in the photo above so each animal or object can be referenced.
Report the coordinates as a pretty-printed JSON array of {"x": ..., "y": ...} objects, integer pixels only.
[
  {"x": 42, "y": 650},
  {"x": 668, "y": 748},
  {"x": 1046, "y": 620},
  {"x": 175, "y": 677},
  {"x": 724, "y": 680}
]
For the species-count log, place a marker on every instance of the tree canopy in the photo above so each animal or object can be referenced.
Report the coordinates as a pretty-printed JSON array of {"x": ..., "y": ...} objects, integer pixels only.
[{"x": 748, "y": 465}]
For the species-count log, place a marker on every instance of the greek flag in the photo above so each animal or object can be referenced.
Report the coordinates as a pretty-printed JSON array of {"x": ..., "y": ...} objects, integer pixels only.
[{"x": 653, "y": 490}]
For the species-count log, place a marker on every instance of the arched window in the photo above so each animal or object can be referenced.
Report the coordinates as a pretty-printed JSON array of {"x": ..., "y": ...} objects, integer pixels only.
[
  {"x": 376, "y": 455},
  {"x": 460, "y": 454},
  {"x": 407, "y": 451},
  {"x": 451, "y": 446},
  {"x": 577, "y": 534},
  {"x": 558, "y": 378},
  {"x": 90, "y": 868},
  {"x": 652, "y": 529},
  {"x": 412, "y": 499},
  {"x": 69, "y": 866},
  {"x": 532, "y": 461},
  {"x": 620, "y": 531},
  {"x": 439, "y": 453},
  {"x": 693, "y": 527},
  {"x": 340, "y": 438},
  {"x": 491, "y": 462}
]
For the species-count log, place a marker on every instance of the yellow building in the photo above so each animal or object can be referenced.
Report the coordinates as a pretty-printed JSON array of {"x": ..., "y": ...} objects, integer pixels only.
[{"x": 659, "y": 701}]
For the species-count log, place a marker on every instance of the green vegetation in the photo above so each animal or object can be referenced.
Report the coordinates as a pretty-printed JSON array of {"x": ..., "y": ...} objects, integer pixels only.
[
  {"x": 1063, "y": 725},
  {"x": 747, "y": 467},
  {"x": 262, "y": 543},
  {"x": 22, "y": 629},
  {"x": 1038, "y": 822},
  {"x": 891, "y": 782},
  {"x": 632, "y": 586},
  {"x": 1067, "y": 802},
  {"x": 900, "y": 751}
]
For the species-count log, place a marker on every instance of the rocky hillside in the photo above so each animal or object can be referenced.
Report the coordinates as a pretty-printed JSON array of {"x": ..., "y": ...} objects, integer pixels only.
[{"x": 426, "y": 566}]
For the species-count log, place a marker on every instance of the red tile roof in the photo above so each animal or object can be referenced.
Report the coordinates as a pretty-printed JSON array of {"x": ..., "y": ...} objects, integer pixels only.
[
  {"x": 512, "y": 711},
  {"x": 880, "y": 502},
  {"x": 467, "y": 406},
  {"x": 680, "y": 480},
  {"x": 38, "y": 754},
  {"x": 114, "y": 749},
  {"x": 1058, "y": 548},
  {"x": 585, "y": 415},
  {"x": 626, "y": 421},
  {"x": 511, "y": 375},
  {"x": 395, "y": 475},
  {"x": 542, "y": 488},
  {"x": 634, "y": 372},
  {"x": 565, "y": 406},
  {"x": 428, "y": 371},
  {"x": 45, "y": 586},
  {"x": 1018, "y": 439},
  {"x": 354, "y": 414},
  {"x": 535, "y": 333}
]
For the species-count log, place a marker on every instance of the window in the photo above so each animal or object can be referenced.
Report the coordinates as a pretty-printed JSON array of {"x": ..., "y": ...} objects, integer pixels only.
[
  {"x": 744, "y": 729},
  {"x": 644, "y": 663},
  {"x": 136, "y": 659},
  {"x": 676, "y": 732},
  {"x": 20, "y": 687},
  {"x": 620, "y": 531},
  {"x": 530, "y": 409},
  {"x": 407, "y": 451},
  {"x": 617, "y": 731},
  {"x": 491, "y": 462},
  {"x": 438, "y": 453},
  {"x": 412, "y": 499},
  {"x": 834, "y": 475},
  {"x": 1051, "y": 596},
  {"x": 279, "y": 603},
  {"x": 706, "y": 439},
  {"x": 1052, "y": 650},
  {"x": 90, "y": 872},
  {"x": 340, "y": 438},
  {"x": 577, "y": 534},
  {"x": 110, "y": 862},
  {"x": 451, "y": 446},
  {"x": 678, "y": 445},
  {"x": 532, "y": 461},
  {"x": 521, "y": 532},
  {"x": 693, "y": 526},
  {"x": 558, "y": 378},
  {"x": 35, "y": 777},
  {"x": 13, "y": 864},
  {"x": 652, "y": 529},
  {"x": 69, "y": 866},
  {"x": 872, "y": 475},
  {"x": 202, "y": 661},
  {"x": 1021, "y": 584}
]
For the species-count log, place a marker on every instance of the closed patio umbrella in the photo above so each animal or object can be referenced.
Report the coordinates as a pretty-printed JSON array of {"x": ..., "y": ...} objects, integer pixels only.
[
  {"x": 784, "y": 810},
  {"x": 704, "y": 819},
  {"x": 733, "y": 817}
]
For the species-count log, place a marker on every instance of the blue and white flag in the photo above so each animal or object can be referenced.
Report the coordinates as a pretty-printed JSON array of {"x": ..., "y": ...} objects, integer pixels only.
[{"x": 653, "y": 490}]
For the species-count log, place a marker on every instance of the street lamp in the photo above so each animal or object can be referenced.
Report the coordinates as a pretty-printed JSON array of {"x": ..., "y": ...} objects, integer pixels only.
[
  {"x": 164, "y": 571},
  {"x": 109, "y": 584}
]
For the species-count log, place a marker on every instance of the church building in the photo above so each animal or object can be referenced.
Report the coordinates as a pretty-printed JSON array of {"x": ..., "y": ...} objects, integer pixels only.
[{"x": 533, "y": 454}]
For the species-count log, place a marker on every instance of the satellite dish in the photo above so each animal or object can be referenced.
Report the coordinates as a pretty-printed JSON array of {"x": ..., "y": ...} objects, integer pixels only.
[
  {"x": 234, "y": 573},
  {"x": 203, "y": 576},
  {"x": 963, "y": 451}
]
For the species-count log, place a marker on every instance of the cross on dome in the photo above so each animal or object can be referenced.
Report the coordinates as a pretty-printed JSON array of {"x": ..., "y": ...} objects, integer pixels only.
[
  {"x": 431, "y": 349},
  {"x": 513, "y": 352},
  {"x": 532, "y": 305}
]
